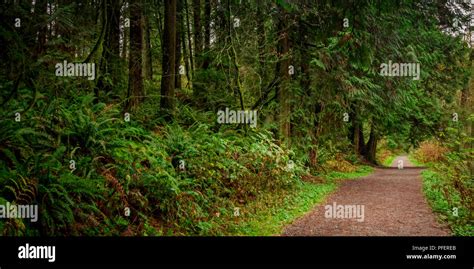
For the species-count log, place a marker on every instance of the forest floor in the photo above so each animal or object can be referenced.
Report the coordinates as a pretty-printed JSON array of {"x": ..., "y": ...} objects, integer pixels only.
[{"x": 394, "y": 205}]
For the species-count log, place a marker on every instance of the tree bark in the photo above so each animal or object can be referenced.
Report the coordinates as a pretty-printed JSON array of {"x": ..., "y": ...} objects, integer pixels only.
[
  {"x": 179, "y": 29},
  {"x": 371, "y": 147},
  {"x": 282, "y": 67},
  {"x": 110, "y": 58},
  {"x": 148, "y": 64},
  {"x": 169, "y": 53},
  {"x": 261, "y": 40},
  {"x": 469, "y": 102},
  {"x": 313, "y": 152},
  {"x": 207, "y": 33},
  {"x": 135, "y": 80},
  {"x": 197, "y": 33},
  {"x": 186, "y": 57},
  {"x": 356, "y": 135},
  {"x": 188, "y": 29}
]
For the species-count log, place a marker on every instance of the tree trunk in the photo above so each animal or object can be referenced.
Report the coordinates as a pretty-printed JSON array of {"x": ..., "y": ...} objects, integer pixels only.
[
  {"x": 186, "y": 57},
  {"x": 179, "y": 29},
  {"x": 356, "y": 135},
  {"x": 197, "y": 33},
  {"x": 169, "y": 54},
  {"x": 135, "y": 79},
  {"x": 207, "y": 33},
  {"x": 469, "y": 104},
  {"x": 188, "y": 29},
  {"x": 110, "y": 59},
  {"x": 313, "y": 152},
  {"x": 40, "y": 10},
  {"x": 126, "y": 37},
  {"x": 261, "y": 40},
  {"x": 371, "y": 147},
  {"x": 148, "y": 64},
  {"x": 283, "y": 88},
  {"x": 305, "y": 83}
]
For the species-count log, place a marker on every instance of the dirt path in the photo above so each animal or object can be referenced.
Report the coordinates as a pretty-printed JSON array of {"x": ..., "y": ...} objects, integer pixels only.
[{"x": 393, "y": 202}]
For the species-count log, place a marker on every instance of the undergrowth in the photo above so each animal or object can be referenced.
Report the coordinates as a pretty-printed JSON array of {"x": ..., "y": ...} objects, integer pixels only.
[
  {"x": 270, "y": 213},
  {"x": 85, "y": 166},
  {"x": 448, "y": 184},
  {"x": 448, "y": 203}
]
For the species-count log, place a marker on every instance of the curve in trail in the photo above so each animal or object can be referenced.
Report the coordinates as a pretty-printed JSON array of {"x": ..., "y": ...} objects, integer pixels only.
[{"x": 394, "y": 205}]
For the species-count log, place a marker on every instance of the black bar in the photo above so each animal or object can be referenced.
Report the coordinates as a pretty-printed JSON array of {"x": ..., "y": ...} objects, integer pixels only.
[{"x": 240, "y": 250}]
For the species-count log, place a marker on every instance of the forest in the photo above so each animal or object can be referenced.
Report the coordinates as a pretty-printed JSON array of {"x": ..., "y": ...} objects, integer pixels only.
[{"x": 228, "y": 117}]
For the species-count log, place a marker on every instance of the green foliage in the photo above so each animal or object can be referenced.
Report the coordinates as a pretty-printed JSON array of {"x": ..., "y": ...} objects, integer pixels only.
[
  {"x": 446, "y": 200},
  {"x": 448, "y": 183},
  {"x": 119, "y": 164},
  {"x": 74, "y": 154}
]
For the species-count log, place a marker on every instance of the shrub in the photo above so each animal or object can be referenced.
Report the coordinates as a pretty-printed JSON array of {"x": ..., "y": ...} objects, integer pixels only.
[{"x": 430, "y": 151}]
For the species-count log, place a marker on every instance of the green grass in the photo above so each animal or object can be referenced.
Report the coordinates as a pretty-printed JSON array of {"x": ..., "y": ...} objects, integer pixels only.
[
  {"x": 414, "y": 161},
  {"x": 272, "y": 212},
  {"x": 388, "y": 162},
  {"x": 363, "y": 170},
  {"x": 443, "y": 198}
]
